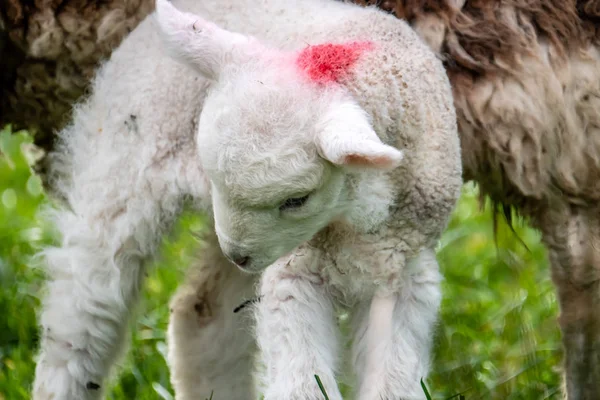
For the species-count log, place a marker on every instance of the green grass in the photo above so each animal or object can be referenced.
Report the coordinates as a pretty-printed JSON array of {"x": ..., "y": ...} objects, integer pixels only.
[{"x": 497, "y": 337}]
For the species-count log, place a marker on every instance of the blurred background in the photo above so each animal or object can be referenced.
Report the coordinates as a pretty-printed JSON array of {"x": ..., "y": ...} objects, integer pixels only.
[{"x": 497, "y": 337}]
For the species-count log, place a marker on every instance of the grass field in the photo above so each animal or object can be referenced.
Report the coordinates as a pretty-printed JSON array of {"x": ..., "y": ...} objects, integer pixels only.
[{"x": 497, "y": 337}]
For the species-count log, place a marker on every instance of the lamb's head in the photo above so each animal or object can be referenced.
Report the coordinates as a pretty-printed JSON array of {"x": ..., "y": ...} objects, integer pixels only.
[{"x": 277, "y": 147}]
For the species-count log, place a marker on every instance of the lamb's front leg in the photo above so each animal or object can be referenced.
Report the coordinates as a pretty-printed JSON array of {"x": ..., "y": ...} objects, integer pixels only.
[
  {"x": 296, "y": 332},
  {"x": 393, "y": 334}
]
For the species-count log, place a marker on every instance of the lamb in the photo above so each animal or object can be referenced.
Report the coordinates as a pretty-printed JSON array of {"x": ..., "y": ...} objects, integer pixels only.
[
  {"x": 328, "y": 181},
  {"x": 483, "y": 45}
]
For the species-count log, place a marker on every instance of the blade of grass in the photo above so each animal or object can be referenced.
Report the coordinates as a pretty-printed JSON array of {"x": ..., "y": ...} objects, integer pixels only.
[
  {"x": 428, "y": 395},
  {"x": 460, "y": 396},
  {"x": 321, "y": 387},
  {"x": 425, "y": 390}
]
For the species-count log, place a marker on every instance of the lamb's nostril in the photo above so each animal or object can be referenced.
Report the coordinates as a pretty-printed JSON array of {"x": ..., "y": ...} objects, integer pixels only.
[
  {"x": 238, "y": 258},
  {"x": 241, "y": 261}
]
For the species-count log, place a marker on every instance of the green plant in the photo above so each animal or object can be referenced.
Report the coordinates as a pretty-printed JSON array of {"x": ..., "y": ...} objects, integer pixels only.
[{"x": 497, "y": 337}]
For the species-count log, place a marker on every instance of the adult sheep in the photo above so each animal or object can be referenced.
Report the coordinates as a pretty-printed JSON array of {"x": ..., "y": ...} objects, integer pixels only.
[{"x": 338, "y": 176}]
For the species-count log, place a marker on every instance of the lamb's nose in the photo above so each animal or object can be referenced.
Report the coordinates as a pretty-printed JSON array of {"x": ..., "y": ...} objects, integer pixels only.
[
  {"x": 241, "y": 261},
  {"x": 238, "y": 257}
]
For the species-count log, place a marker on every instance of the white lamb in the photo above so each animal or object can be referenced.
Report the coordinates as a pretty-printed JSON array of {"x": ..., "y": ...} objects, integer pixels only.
[{"x": 324, "y": 145}]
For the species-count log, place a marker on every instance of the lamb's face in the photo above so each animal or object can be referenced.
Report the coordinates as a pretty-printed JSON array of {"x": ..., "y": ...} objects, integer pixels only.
[
  {"x": 271, "y": 190},
  {"x": 276, "y": 147},
  {"x": 259, "y": 221}
]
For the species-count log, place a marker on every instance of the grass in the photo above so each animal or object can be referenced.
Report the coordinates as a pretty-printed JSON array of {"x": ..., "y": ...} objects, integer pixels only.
[
  {"x": 326, "y": 397},
  {"x": 497, "y": 337}
]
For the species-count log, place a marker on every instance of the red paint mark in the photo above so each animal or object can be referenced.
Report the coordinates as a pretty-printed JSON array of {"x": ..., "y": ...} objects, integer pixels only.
[{"x": 324, "y": 63}]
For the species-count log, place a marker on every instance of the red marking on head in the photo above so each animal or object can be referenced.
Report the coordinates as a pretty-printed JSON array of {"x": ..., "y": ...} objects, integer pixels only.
[{"x": 325, "y": 63}]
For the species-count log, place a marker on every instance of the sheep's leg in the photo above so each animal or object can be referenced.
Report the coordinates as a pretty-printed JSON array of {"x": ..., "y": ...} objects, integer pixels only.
[
  {"x": 123, "y": 192},
  {"x": 95, "y": 277},
  {"x": 393, "y": 335},
  {"x": 575, "y": 257},
  {"x": 211, "y": 348},
  {"x": 297, "y": 335}
]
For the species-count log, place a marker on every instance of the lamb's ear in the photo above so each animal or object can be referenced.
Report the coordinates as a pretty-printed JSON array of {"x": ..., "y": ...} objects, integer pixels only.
[
  {"x": 345, "y": 137},
  {"x": 200, "y": 43}
]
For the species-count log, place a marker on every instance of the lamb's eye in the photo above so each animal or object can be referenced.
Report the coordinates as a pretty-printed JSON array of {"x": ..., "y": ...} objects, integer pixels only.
[{"x": 293, "y": 202}]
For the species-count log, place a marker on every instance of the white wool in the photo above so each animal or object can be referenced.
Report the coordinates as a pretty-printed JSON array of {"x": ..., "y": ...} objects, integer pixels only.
[{"x": 209, "y": 105}]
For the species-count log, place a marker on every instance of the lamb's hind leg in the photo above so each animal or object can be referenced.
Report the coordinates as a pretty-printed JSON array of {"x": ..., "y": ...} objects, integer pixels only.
[
  {"x": 113, "y": 225},
  {"x": 393, "y": 334},
  {"x": 211, "y": 348},
  {"x": 124, "y": 173},
  {"x": 574, "y": 248}
]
